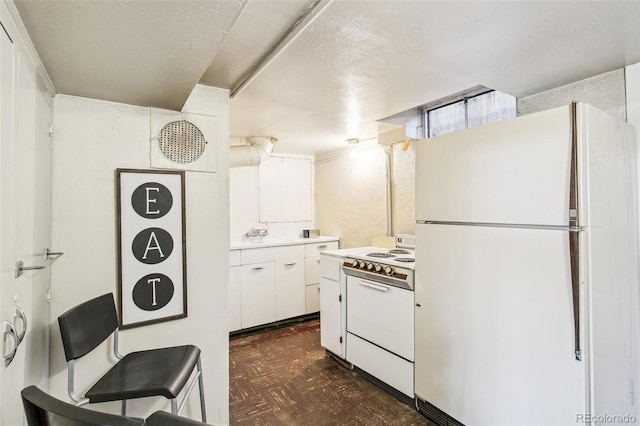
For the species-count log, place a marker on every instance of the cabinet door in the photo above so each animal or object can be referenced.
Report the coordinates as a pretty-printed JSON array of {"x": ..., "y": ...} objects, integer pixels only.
[
  {"x": 290, "y": 288},
  {"x": 235, "y": 298},
  {"x": 258, "y": 294},
  {"x": 330, "y": 328},
  {"x": 285, "y": 188},
  {"x": 312, "y": 303},
  {"x": 312, "y": 270}
]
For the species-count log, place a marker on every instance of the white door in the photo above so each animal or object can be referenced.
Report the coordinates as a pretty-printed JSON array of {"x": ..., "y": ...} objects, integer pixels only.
[
  {"x": 25, "y": 220},
  {"x": 494, "y": 326},
  {"x": 516, "y": 171}
]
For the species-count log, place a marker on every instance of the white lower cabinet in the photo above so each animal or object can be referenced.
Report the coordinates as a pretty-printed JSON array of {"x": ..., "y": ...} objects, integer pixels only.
[
  {"x": 258, "y": 294},
  {"x": 312, "y": 273},
  {"x": 235, "y": 298},
  {"x": 333, "y": 305},
  {"x": 330, "y": 323},
  {"x": 290, "y": 294},
  {"x": 268, "y": 284},
  {"x": 312, "y": 298}
]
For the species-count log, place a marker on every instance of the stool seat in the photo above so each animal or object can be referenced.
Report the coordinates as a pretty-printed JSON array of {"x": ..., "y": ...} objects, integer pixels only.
[{"x": 147, "y": 373}]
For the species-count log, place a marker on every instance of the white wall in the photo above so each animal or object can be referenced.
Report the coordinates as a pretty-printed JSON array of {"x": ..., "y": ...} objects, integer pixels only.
[
  {"x": 351, "y": 194},
  {"x": 91, "y": 139}
]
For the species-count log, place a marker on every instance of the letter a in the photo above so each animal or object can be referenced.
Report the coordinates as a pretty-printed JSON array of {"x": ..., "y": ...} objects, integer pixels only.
[{"x": 156, "y": 246}]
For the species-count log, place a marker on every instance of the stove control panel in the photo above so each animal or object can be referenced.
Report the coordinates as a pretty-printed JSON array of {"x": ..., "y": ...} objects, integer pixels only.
[
  {"x": 369, "y": 266},
  {"x": 379, "y": 272}
]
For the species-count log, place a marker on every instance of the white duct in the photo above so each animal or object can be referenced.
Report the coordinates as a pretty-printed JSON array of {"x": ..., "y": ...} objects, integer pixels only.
[{"x": 258, "y": 150}]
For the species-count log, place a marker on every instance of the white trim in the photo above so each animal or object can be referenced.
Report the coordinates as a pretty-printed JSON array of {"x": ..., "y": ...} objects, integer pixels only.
[{"x": 23, "y": 41}]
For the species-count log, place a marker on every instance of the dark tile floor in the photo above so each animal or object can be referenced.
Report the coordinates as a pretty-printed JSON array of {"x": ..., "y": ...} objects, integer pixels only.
[{"x": 284, "y": 377}]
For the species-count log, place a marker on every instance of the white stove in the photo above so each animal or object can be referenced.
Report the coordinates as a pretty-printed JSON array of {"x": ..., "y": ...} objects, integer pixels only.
[{"x": 380, "y": 313}]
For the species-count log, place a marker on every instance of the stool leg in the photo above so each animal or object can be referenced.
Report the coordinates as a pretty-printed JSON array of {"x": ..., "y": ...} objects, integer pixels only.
[
  {"x": 124, "y": 407},
  {"x": 174, "y": 406},
  {"x": 201, "y": 385}
]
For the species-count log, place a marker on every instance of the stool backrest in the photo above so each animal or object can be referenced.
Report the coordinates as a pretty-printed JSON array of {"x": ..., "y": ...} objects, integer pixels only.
[
  {"x": 41, "y": 409},
  {"x": 87, "y": 325}
]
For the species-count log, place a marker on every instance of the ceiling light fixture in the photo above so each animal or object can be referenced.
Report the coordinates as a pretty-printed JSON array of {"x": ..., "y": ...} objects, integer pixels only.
[{"x": 353, "y": 142}]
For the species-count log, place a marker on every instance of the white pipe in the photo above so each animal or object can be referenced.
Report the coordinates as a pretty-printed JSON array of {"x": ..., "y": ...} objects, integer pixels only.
[
  {"x": 387, "y": 150},
  {"x": 258, "y": 150}
]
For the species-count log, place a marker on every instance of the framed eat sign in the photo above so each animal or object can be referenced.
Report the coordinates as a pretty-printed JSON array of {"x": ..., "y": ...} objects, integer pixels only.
[{"x": 152, "y": 274}]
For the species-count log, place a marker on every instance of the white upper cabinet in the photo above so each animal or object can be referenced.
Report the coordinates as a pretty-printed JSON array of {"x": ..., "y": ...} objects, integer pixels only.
[{"x": 286, "y": 189}]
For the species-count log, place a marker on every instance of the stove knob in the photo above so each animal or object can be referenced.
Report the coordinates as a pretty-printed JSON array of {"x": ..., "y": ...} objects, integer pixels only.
[
  {"x": 354, "y": 263},
  {"x": 369, "y": 266},
  {"x": 362, "y": 264},
  {"x": 389, "y": 270},
  {"x": 377, "y": 268}
]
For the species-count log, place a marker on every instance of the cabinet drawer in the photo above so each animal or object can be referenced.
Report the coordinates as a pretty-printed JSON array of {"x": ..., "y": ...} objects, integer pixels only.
[
  {"x": 256, "y": 255},
  {"x": 235, "y": 258},
  {"x": 287, "y": 252},
  {"x": 314, "y": 249},
  {"x": 312, "y": 270},
  {"x": 391, "y": 369},
  {"x": 330, "y": 267}
]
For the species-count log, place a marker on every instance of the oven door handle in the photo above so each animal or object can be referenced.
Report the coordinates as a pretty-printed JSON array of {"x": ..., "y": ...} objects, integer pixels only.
[{"x": 374, "y": 286}]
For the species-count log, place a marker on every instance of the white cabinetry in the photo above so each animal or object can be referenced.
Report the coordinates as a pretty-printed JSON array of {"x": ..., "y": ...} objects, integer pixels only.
[
  {"x": 290, "y": 291},
  {"x": 332, "y": 305},
  {"x": 258, "y": 294},
  {"x": 283, "y": 198},
  {"x": 312, "y": 273},
  {"x": 235, "y": 291},
  {"x": 274, "y": 283}
]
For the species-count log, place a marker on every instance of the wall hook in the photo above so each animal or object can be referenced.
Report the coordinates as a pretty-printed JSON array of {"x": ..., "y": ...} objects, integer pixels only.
[
  {"x": 48, "y": 253},
  {"x": 20, "y": 268}
]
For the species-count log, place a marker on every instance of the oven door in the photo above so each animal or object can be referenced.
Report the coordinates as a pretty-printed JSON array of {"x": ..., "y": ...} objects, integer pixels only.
[{"x": 381, "y": 314}]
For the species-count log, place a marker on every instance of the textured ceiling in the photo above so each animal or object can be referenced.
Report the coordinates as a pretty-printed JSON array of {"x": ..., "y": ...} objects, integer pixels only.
[{"x": 351, "y": 65}]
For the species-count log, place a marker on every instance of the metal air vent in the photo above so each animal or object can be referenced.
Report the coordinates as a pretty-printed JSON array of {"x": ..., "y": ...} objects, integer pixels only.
[{"x": 182, "y": 142}]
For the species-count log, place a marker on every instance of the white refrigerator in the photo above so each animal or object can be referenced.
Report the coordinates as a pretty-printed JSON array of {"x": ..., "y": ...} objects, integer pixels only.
[{"x": 526, "y": 265}]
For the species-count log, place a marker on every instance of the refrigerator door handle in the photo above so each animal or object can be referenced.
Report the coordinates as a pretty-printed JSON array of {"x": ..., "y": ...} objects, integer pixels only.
[{"x": 574, "y": 227}]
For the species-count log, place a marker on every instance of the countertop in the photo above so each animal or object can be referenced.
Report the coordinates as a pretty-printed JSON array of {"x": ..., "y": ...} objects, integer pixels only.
[{"x": 274, "y": 242}]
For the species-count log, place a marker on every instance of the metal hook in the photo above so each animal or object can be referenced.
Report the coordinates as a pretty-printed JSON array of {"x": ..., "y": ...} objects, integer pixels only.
[
  {"x": 20, "y": 268},
  {"x": 48, "y": 253}
]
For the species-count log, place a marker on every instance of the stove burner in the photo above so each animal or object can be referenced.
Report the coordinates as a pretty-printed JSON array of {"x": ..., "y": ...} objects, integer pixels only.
[
  {"x": 380, "y": 255},
  {"x": 405, "y": 259},
  {"x": 399, "y": 251}
]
